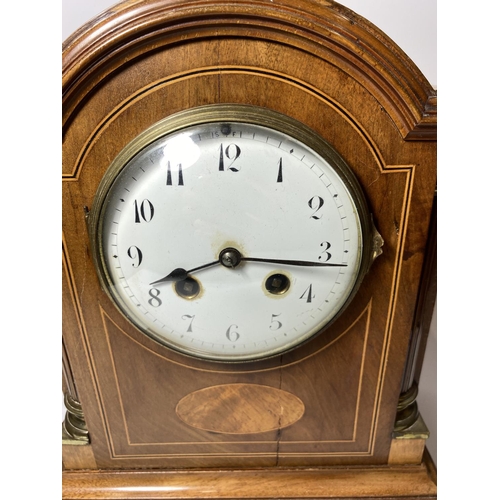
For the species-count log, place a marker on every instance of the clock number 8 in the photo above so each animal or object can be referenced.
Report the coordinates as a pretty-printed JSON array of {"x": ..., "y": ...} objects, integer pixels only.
[{"x": 154, "y": 301}]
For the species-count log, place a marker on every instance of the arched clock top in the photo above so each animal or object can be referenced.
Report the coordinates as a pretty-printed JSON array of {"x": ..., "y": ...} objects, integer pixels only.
[{"x": 321, "y": 28}]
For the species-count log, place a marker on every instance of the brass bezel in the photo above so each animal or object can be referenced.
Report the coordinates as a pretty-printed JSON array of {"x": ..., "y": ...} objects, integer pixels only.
[{"x": 239, "y": 113}]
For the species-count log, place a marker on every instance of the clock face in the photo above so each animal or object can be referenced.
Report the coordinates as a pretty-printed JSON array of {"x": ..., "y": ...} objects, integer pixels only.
[{"x": 230, "y": 233}]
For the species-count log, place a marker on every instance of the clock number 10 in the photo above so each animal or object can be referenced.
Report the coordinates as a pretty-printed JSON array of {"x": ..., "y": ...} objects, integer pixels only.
[{"x": 143, "y": 212}]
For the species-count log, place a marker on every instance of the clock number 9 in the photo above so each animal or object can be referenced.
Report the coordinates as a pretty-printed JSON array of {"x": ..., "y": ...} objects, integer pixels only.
[{"x": 136, "y": 255}]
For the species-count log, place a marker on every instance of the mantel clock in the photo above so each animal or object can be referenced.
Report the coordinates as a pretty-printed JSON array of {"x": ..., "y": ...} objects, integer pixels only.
[{"x": 248, "y": 253}]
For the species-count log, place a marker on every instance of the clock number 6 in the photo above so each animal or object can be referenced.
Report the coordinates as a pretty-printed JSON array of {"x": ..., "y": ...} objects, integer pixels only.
[{"x": 231, "y": 333}]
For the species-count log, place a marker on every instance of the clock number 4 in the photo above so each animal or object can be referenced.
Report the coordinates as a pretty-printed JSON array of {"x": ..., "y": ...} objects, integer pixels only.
[{"x": 308, "y": 294}]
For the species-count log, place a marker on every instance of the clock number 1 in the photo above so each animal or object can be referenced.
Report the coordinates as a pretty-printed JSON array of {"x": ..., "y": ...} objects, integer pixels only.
[{"x": 280, "y": 171}]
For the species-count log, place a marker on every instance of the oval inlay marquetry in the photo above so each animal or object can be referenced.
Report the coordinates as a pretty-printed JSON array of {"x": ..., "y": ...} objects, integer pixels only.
[{"x": 240, "y": 409}]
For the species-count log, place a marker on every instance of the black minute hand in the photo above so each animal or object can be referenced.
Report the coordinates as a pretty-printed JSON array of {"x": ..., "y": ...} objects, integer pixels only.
[
  {"x": 230, "y": 257},
  {"x": 305, "y": 263}
]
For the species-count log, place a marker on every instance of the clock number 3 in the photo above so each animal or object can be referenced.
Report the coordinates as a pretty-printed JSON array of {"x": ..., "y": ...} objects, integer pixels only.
[{"x": 325, "y": 255}]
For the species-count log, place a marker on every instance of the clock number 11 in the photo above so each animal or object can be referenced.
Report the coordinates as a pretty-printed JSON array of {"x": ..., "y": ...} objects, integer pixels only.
[{"x": 180, "y": 178}]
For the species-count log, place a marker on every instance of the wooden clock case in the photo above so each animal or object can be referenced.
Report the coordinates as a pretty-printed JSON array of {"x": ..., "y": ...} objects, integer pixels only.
[{"x": 334, "y": 418}]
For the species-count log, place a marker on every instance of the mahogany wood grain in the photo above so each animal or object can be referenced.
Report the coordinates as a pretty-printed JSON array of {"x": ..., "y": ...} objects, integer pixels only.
[
  {"x": 319, "y": 63},
  {"x": 408, "y": 482},
  {"x": 77, "y": 457}
]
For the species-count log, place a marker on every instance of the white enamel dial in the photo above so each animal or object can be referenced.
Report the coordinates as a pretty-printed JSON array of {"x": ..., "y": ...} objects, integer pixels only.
[{"x": 229, "y": 240}]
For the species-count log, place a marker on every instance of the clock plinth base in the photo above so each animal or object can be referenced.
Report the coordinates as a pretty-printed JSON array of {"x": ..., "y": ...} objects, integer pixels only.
[{"x": 396, "y": 482}]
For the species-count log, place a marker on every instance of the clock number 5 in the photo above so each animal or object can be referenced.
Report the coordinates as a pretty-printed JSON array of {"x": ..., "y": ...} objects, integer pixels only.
[{"x": 275, "y": 324}]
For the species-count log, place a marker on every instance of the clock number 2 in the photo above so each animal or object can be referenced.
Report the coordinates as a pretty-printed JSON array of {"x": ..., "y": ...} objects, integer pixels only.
[{"x": 316, "y": 202}]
